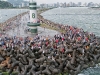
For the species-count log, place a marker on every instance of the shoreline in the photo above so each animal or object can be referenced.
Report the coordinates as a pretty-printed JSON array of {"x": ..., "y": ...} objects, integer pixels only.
[
  {"x": 68, "y": 52},
  {"x": 49, "y": 24}
]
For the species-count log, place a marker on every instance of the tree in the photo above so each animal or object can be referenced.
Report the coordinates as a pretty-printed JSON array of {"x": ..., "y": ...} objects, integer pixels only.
[{"x": 4, "y": 4}]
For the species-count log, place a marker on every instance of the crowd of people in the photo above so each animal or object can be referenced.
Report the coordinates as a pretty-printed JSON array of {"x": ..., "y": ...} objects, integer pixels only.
[
  {"x": 72, "y": 45},
  {"x": 72, "y": 36}
]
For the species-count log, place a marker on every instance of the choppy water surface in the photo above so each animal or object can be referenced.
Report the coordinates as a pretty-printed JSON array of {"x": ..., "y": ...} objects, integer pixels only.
[
  {"x": 82, "y": 17},
  {"x": 92, "y": 70},
  {"x": 5, "y": 14}
]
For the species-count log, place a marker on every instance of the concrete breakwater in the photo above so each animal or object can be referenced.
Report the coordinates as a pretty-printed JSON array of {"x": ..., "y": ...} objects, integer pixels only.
[{"x": 71, "y": 52}]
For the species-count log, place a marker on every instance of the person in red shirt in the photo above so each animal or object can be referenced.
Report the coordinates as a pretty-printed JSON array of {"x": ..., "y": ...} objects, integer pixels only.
[
  {"x": 56, "y": 40},
  {"x": 79, "y": 38},
  {"x": 86, "y": 39}
]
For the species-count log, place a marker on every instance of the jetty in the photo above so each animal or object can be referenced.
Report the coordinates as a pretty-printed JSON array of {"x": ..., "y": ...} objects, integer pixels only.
[{"x": 67, "y": 52}]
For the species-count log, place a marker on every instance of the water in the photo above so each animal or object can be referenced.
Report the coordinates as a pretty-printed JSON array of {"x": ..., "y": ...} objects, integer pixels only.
[
  {"x": 92, "y": 70},
  {"x": 81, "y": 17},
  {"x": 5, "y": 14}
]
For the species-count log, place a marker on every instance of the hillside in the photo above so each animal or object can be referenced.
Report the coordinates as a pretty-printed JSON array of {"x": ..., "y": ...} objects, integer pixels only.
[
  {"x": 16, "y": 3},
  {"x": 4, "y": 4}
]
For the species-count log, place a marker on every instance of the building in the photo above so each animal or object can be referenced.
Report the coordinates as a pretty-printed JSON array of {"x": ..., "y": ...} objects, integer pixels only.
[{"x": 23, "y": 4}]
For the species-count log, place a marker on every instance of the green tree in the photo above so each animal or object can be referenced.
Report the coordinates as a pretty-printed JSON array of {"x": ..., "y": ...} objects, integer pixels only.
[{"x": 4, "y": 4}]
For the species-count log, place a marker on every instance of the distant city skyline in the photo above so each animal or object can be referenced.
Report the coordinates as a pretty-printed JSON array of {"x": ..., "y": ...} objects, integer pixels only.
[{"x": 62, "y": 1}]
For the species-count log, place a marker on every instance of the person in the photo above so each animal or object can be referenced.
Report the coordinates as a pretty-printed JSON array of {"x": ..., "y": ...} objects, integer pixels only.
[{"x": 44, "y": 28}]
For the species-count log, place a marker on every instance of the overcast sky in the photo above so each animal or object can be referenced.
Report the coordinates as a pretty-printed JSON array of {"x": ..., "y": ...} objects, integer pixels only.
[{"x": 67, "y": 1}]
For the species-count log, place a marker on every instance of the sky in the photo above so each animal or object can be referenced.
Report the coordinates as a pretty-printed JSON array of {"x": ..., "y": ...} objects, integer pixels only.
[{"x": 67, "y": 1}]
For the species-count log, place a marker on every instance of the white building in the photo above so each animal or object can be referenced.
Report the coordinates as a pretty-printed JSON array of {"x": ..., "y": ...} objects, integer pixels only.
[{"x": 23, "y": 4}]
